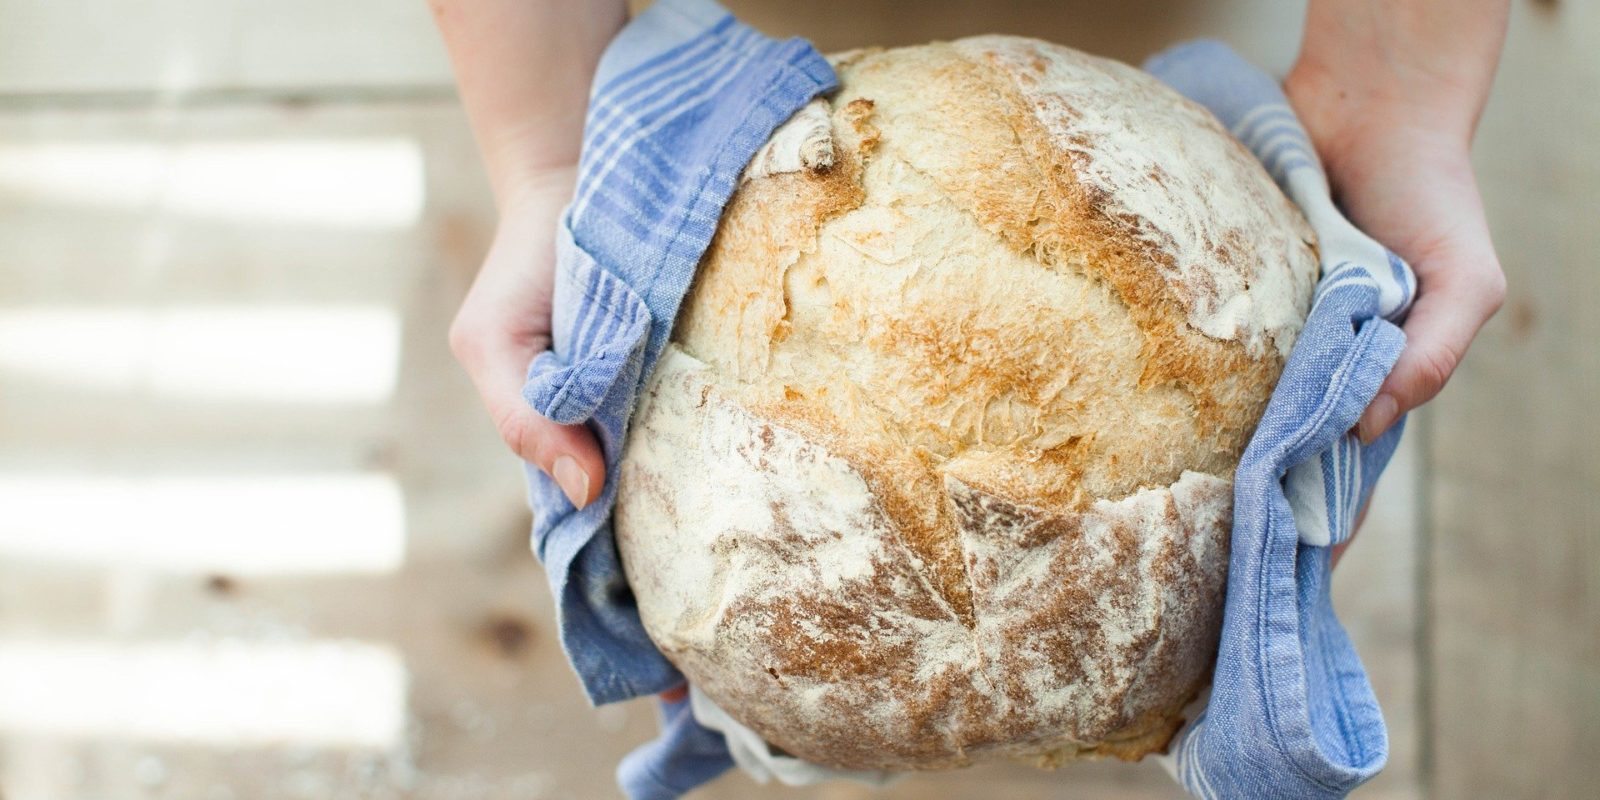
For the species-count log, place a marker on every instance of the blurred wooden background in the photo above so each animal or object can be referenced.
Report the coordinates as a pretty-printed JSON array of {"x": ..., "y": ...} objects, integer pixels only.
[{"x": 257, "y": 540}]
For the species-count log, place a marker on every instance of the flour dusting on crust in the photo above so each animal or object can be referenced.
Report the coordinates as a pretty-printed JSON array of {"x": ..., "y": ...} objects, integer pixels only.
[
  {"x": 793, "y": 601},
  {"x": 934, "y": 469},
  {"x": 1200, "y": 199},
  {"x": 803, "y": 142}
]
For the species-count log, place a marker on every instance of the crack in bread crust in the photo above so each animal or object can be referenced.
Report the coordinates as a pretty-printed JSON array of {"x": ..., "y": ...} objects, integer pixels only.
[
  {"x": 934, "y": 469},
  {"x": 793, "y": 602}
]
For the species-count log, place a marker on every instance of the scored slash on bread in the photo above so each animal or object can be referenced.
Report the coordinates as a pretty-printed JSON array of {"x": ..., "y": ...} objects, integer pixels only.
[{"x": 937, "y": 467}]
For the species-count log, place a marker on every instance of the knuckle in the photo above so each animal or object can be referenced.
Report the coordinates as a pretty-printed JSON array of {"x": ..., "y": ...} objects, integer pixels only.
[
  {"x": 518, "y": 431},
  {"x": 1494, "y": 289},
  {"x": 1432, "y": 369},
  {"x": 463, "y": 341}
]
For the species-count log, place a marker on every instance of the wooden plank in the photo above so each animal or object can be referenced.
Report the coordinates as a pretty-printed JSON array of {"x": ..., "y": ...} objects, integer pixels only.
[
  {"x": 1515, "y": 450},
  {"x": 175, "y": 47},
  {"x": 490, "y": 708},
  {"x": 84, "y": 240}
]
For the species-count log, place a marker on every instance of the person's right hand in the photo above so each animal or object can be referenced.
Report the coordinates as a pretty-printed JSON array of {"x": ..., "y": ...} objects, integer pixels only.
[{"x": 505, "y": 321}]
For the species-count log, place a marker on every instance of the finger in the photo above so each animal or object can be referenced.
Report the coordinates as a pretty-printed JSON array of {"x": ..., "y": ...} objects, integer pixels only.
[
  {"x": 1449, "y": 311},
  {"x": 567, "y": 453}
]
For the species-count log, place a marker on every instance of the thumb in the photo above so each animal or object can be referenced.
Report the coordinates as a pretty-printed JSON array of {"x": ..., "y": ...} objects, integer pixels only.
[{"x": 567, "y": 453}]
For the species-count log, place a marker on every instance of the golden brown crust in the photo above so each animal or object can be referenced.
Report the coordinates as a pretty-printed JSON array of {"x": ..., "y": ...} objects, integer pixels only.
[
  {"x": 794, "y": 605},
  {"x": 987, "y": 302}
]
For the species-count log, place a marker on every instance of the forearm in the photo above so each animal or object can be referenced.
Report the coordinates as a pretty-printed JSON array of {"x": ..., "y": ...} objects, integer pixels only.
[
  {"x": 523, "y": 68},
  {"x": 1432, "y": 59}
]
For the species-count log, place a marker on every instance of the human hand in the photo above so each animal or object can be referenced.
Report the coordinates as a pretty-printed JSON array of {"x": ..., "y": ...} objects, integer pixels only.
[
  {"x": 505, "y": 321},
  {"x": 1390, "y": 95},
  {"x": 524, "y": 69}
]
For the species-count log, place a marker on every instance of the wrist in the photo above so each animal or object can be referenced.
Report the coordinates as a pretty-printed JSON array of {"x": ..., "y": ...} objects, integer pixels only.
[
  {"x": 1350, "y": 122},
  {"x": 530, "y": 188},
  {"x": 1355, "y": 95},
  {"x": 1419, "y": 65}
]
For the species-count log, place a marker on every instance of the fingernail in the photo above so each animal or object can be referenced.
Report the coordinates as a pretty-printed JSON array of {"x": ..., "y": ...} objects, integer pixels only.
[
  {"x": 1377, "y": 419},
  {"x": 574, "y": 482}
]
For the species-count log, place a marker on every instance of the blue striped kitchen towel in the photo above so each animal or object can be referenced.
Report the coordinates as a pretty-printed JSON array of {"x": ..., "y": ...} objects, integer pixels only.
[
  {"x": 683, "y": 97},
  {"x": 1291, "y": 713}
]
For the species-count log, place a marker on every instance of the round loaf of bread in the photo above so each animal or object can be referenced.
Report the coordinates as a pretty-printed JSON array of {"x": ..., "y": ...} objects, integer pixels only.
[{"x": 938, "y": 465}]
